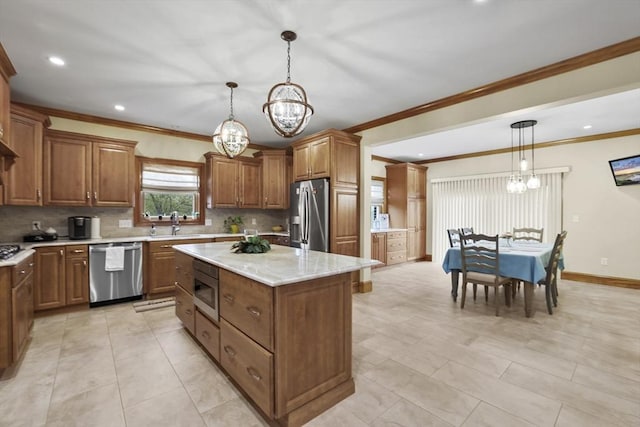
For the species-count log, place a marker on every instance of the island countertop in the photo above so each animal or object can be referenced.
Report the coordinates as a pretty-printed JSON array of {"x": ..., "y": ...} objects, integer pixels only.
[{"x": 282, "y": 265}]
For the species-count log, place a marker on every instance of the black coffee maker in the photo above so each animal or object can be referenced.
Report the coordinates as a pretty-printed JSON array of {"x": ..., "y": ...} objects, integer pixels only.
[{"x": 79, "y": 227}]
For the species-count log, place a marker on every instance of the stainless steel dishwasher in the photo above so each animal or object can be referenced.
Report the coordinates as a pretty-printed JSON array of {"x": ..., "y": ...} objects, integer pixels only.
[{"x": 111, "y": 282}]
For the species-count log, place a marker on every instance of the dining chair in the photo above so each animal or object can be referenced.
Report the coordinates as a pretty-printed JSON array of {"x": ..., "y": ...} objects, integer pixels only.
[
  {"x": 481, "y": 266},
  {"x": 466, "y": 230},
  {"x": 550, "y": 281},
  {"x": 454, "y": 237},
  {"x": 526, "y": 233}
]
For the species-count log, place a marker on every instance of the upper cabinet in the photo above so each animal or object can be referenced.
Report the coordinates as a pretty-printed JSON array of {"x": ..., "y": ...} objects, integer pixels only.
[
  {"x": 23, "y": 180},
  {"x": 332, "y": 154},
  {"x": 233, "y": 183},
  {"x": 6, "y": 72},
  {"x": 276, "y": 177},
  {"x": 86, "y": 170}
]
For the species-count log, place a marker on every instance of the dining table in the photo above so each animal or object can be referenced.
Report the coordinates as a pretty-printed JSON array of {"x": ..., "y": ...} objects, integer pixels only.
[{"x": 521, "y": 260}]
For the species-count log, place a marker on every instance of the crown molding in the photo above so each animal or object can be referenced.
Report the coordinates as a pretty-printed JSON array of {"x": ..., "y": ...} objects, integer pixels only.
[
  {"x": 590, "y": 58},
  {"x": 6, "y": 67}
]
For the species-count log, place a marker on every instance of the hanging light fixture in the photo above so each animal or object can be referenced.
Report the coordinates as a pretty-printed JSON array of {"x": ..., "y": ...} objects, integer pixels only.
[
  {"x": 517, "y": 184},
  {"x": 287, "y": 107},
  {"x": 231, "y": 137}
]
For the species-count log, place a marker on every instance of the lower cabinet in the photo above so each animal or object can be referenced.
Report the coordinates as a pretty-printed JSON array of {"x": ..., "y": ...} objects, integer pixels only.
[
  {"x": 396, "y": 247},
  {"x": 208, "y": 334},
  {"x": 159, "y": 260},
  {"x": 61, "y": 276},
  {"x": 16, "y": 310},
  {"x": 379, "y": 247},
  {"x": 185, "y": 309}
]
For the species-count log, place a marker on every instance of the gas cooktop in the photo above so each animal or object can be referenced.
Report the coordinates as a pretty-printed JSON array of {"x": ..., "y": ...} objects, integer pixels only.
[{"x": 7, "y": 251}]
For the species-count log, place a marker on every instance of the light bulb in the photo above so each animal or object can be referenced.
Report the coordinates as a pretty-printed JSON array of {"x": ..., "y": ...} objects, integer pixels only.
[
  {"x": 533, "y": 182},
  {"x": 523, "y": 164},
  {"x": 511, "y": 185}
]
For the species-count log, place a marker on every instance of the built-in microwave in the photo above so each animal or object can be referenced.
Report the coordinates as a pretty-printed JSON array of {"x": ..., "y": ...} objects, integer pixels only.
[{"x": 205, "y": 288}]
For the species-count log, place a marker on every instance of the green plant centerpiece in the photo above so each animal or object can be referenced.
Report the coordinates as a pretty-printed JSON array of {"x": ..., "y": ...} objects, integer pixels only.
[
  {"x": 251, "y": 245},
  {"x": 232, "y": 224}
]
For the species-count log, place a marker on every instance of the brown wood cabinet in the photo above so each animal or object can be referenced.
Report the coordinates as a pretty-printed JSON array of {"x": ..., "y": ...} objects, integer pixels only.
[
  {"x": 185, "y": 308},
  {"x": 77, "y": 274},
  {"x": 61, "y": 276},
  {"x": 86, "y": 170},
  {"x": 16, "y": 310},
  {"x": 49, "y": 286},
  {"x": 23, "y": 180},
  {"x": 335, "y": 155},
  {"x": 6, "y": 72},
  {"x": 233, "y": 183},
  {"x": 276, "y": 178},
  {"x": 379, "y": 247},
  {"x": 406, "y": 204},
  {"x": 396, "y": 247},
  {"x": 160, "y": 266}
]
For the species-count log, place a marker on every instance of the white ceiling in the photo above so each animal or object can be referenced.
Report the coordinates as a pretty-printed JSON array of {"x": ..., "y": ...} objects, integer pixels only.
[{"x": 167, "y": 61}]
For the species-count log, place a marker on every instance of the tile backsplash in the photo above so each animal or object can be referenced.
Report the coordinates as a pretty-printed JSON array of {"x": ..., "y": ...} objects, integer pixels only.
[{"x": 15, "y": 221}]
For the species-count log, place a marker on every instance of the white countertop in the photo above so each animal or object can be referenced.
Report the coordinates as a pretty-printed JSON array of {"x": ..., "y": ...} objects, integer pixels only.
[
  {"x": 28, "y": 246},
  {"x": 282, "y": 265},
  {"x": 386, "y": 230}
]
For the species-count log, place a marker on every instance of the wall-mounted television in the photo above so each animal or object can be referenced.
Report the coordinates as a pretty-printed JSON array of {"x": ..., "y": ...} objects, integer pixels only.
[{"x": 626, "y": 171}]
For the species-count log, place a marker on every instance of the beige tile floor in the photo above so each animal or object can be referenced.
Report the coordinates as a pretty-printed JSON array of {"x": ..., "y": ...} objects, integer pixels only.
[{"x": 419, "y": 360}]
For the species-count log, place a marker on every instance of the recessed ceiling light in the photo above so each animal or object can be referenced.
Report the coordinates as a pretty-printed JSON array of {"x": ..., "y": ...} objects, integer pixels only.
[
  {"x": 587, "y": 127},
  {"x": 56, "y": 60},
  {"x": 420, "y": 154},
  {"x": 119, "y": 107}
]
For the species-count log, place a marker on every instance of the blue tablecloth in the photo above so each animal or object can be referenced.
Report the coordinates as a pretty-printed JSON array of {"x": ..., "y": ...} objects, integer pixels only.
[{"x": 525, "y": 262}]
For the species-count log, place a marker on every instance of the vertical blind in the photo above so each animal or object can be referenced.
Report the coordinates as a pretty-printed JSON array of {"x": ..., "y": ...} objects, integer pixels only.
[{"x": 482, "y": 202}]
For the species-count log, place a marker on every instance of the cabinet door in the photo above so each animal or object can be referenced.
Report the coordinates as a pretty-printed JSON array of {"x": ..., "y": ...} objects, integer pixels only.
[
  {"x": 344, "y": 222},
  {"x": 224, "y": 183},
  {"x": 274, "y": 182},
  {"x": 301, "y": 165},
  {"x": 185, "y": 310},
  {"x": 22, "y": 314},
  {"x": 67, "y": 171},
  {"x": 184, "y": 271},
  {"x": 379, "y": 247},
  {"x": 162, "y": 272},
  {"x": 113, "y": 174},
  {"x": 412, "y": 241},
  {"x": 49, "y": 287},
  {"x": 320, "y": 158},
  {"x": 24, "y": 178},
  {"x": 77, "y": 285},
  {"x": 249, "y": 184},
  {"x": 5, "y": 120}
]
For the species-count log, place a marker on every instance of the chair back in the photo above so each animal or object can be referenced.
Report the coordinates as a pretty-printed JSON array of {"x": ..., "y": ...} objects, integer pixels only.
[
  {"x": 454, "y": 237},
  {"x": 466, "y": 230},
  {"x": 479, "y": 253},
  {"x": 530, "y": 234},
  {"x": 552, "y": 265}
]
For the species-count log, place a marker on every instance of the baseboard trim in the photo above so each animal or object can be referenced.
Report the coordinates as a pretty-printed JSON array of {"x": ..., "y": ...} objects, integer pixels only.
[
  {"x": 366, "y": 286},
  {"x": 601, "y": 280}
]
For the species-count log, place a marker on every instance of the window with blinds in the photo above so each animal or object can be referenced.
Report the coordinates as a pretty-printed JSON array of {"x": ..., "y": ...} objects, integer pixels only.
[{"x": 170, "y": 186}]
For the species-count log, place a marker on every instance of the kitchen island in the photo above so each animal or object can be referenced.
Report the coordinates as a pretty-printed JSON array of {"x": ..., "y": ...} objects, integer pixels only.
[{"x": 284, "y": 328}]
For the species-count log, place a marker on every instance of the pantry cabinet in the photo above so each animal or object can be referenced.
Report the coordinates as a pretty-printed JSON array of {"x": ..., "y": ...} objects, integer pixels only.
[
  {"x": 406, "y": 204},
  {"x": 86, "y": 170},
  {"x": 233, "y": 183},
  {"x": 23, "y": 180}
]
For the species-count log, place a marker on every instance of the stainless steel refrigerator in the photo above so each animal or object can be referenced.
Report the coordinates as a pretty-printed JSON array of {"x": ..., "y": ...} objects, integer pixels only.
[{"x": 309, "y": 215}]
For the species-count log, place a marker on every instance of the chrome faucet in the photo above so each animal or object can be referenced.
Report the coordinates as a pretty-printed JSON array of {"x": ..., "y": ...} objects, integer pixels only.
[{"x": 175, "y": 223}]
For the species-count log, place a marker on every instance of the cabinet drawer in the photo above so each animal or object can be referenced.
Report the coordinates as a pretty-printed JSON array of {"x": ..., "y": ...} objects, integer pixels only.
[
  {"x": 185, "y": 309},
  {"x": 249, "y": 306},
  {"x": 249, "y": 364},
  {"x": 184, "y": 271},
  {"x": 282, "y": 240},
  {"x": 166, "y": 245},
  {"x": 21, "y": 270},
  {"x": 76, "y": 251},
  {"x": 396, "y": 257},
  {"x": 396, "y": 245},
  {"x": 397, "y": 235},
  {"x": 208, "y": 334}
]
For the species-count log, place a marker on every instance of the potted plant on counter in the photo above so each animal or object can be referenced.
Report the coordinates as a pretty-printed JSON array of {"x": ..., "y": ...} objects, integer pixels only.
[{"x": 232, "y": 224}]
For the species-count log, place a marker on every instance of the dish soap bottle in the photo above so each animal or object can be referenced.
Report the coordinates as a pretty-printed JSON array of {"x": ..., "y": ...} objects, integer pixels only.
[{"x": 152, "y": 232}]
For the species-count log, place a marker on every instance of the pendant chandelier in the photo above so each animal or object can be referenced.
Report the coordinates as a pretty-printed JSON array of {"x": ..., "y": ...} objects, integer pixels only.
[
  {"x": 287, "y": 107},
  {"x": 516, "y": 183},
  {"x": 231, "y": 137}
]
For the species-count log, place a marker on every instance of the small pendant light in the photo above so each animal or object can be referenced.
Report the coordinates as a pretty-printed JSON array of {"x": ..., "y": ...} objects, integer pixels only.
[
  {"x": 287, "y": 107},
  {"x": 231, "y": 137}
]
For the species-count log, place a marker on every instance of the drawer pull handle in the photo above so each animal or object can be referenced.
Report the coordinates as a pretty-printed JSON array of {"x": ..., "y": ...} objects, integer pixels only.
[
  {"x": 88, "y": 196},
  {"x": 178, "y": 302},
  {"x": 165, "y": 246},
  {"x": 84, "y": 263},
  {"x": 78, "y": 251},
  {"x": 30, "y": 264},
  {"x": 206, "y": 334},
  {"x": 254, "y": 374},
  {"x": 230, "y": 351},
  {"x": 22, "y": 272},
  {"x": 229, "y": 298},
  {"x": 254, "y": 312},
  {"x": 188, "y": 311}
]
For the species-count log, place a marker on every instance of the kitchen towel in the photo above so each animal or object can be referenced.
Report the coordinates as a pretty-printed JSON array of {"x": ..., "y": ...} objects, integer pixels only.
[{"x": 114, "y": 259}]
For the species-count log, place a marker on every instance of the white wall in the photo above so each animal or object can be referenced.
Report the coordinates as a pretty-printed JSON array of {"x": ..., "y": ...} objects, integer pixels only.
[{"x": 608, "y": 216}]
